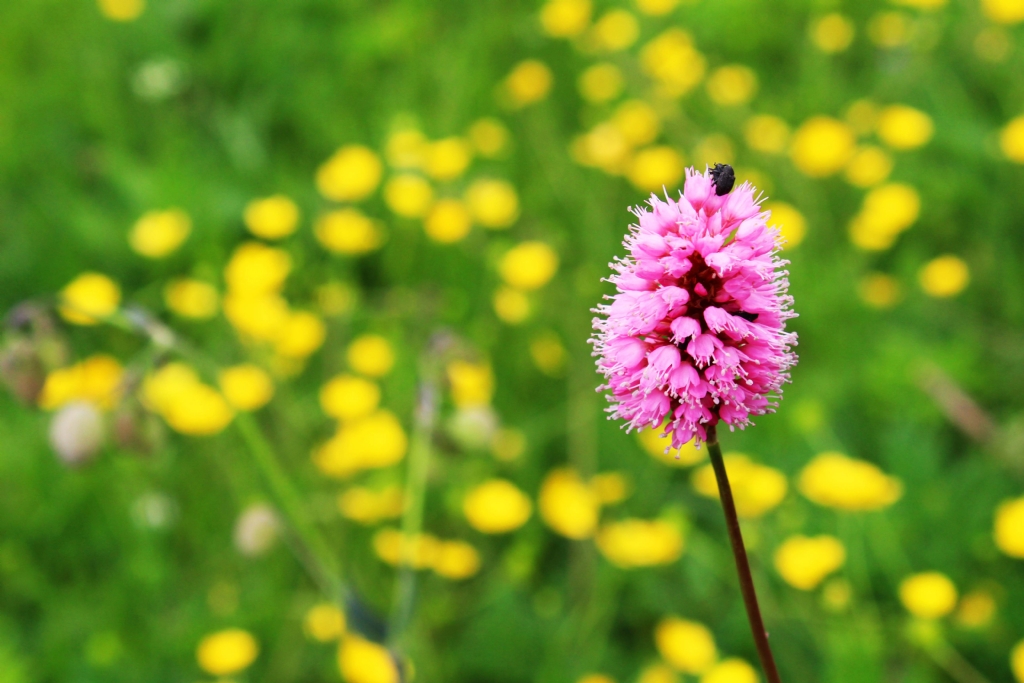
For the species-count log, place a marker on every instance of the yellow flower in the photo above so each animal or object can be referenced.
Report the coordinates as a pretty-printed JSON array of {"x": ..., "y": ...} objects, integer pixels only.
[
  {"x": 198, "y": 410},
  {"x": 836, "y": 595},
  {"x": 448, "y": 159},
  {"x": 246, "y": 387},
  {"x": 362, "y": 661},
  {"x": 765, "y": 133},
  {"x": 889, "y": 29},
  {"x": 604, "y": 147},
  {"x": 346, "y": 397},
  {"x": 1011, "y": 140},
  {"x": 568, "y": 505},
  {"x": 352, "y": 173},
  {"x": 191, "y": 298},
  {"x": 868, "y": 167},
  {"x": 511, "y": 305},
  {"x": 636, "y": 122},
  {"x": 158, "y": 233},
  {"x": 595, "y": 678},
  {"x": 656, "y": 168},
  {"x": 418, "y": 552},
  {"x": 640, "y": 543},
  {"x": 88, "y": 297},
  {"x": 97, "y": 379},
  {"x": 489, "y": 137},
  {"x": 496, "y": 507},
  {"x": 472, "y": 384},
  {"x": 448, "y": 221},
  {"x": 548, "y": 354},
  {"x": 121, "y": 10},
  {"x": 732, "y": 85},
  {"x": 255, "y": 268},
  {"x": 259, "y": 316},
  {"x": 656, "y": 8},
  {"x": 838, "y": 481},
  {"x": 492, "y": 203},
  {"x": 791, "y": 223},
  {"x": 902, "y": 127},
  {"x": 227, "y": 652},
  {"x": 832, "y": 33},
  {"x": 944, "y": 276},
  {"x": 687, "y": 646},
  {"x": 406, "y": 149},
  {"x": 348, "y": 231},
  {"x": 370, "y": 355},
  {"x": 368, "y": 506},
  {"x": 371, "y": 442},
  {"x": 805, "y": 562},
  {"x": 272, "y": 217},
  {"x": 601, "y": 82},
  {"x": 456, "y": 560},
  {"x": 887, "y": 211},
  {"x": 324, "y": 622},
  {"x": 610, "y": 487},
  {"x": 565, "y": 18},
  {"x": 616, "y": 30},
  {"x": 756, "y": 488},
  {"x": 879, "y": 290},
  {"x": 336, "y": 298},
  {"x": 508, "y": 444},
  {"x": 657, "y": 673},
  {"x": 732, "y": 670},
  {"x": 528, "y": 265},
  {"x": 862, "y": 115},
  {"x": 673, "y": 61},
  {"x": 928, "y": 595},
  {"x": 976, "y": 609},
  {"x": 1008, "y": 530},
  {"x": 822, "y": 146},
  {"x": 656, "y": 444},
  {"x": 1004, "y": 12},
  {"x": 529, "y": 82},
  {"x": 408, "y": 195},
  {"x": 301, "y": 334}
]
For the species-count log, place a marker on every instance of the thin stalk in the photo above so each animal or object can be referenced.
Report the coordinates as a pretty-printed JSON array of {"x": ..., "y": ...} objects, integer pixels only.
[{"x": 739, "y": 552}]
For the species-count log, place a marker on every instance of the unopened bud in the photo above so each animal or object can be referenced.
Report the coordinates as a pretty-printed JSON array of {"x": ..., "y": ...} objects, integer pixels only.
[
  {"x": 256, "y": 530},
  {"x": 76, "y": 433}
]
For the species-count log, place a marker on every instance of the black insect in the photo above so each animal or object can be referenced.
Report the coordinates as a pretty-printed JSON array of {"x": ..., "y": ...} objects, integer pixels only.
[
  {"x": 724, "y": 178},
  {"x": 749, "y": 317}
]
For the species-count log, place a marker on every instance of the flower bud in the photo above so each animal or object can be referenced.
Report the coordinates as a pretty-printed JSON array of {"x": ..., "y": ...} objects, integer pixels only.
[
  {"x": 76, "y": 433},
  {"x": 256, "y": 530}
]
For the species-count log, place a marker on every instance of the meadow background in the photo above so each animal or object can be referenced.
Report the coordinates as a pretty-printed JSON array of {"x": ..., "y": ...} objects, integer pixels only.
[{"x": 290, "y": 282}]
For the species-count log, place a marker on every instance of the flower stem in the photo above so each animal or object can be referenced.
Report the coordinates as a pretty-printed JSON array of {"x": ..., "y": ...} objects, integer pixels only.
[{"x": 732, "y": 522}]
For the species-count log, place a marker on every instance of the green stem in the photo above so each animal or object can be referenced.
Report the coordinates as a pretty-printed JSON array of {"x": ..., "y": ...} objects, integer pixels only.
[
  {"x": 954, "y": 664},
  {"x": 732, "y": 522}
]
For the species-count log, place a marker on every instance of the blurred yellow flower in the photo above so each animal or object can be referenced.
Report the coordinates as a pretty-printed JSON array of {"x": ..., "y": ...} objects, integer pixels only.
[
  {"x": 370, "y": 355},
  {"x": 836, "y": 594},
  {"x": 616, "y": 30},
  {"x": 348, "y": 231},
  {"x": 791, "y": 223},
  {"x": 528, "y": 265},
  {"x": 687, "y": 646},
  {"x": 122, "y": 10},
  {"x": 838, "y": 481},
  {"x": 448, "y": 221},
  {"x": 158, "y": 233},
  {"x": 633, "y": 543},
  {"x": 508, "y": 444},
  {"x": 369, "y": 506},
  {"x": 418, "y": 552},
  {"x": 456, "y": 560},
  {"x": 88, "y": 297},
  {"x": 732, "y": 670},
  {"x": 255, "y": 268},
  {"x": 732, "y": 85},
  {"x": 656, "y": 168},
  {"x": 191, "y": 298},
  {"x": 887, "y": 211},
  {"x": 714, "y": 149},
  {"x": 362, "y": 661},
  {"x": 472, "y": 384},
  {"x": 868, "y": 167},
  {"x": 902, "y": 127},
  {"x": 804, "y": 562},
  {"x": 568, "y": 505},
  {"x": 610, "y": 487},
  {"x": 496, "y": 507},
  {"x": 246, "y": 386},
  {"x": 1004, "y": 12},
  {"x": 657, "y": 673},
  {"x": 832, "y": 33},
  {"x": 1008, "y": 530},
  {"x": 448, "y": 159},
  {"x": 336, "y": 298},
  {"x": 637, "y": 122},
  {"x": 548, "y": 353},
  {"x": 346, "y": 397},
  {"x": 976, "y": 609},
  {"x": 921, "y": 4},
  {"x": 673, "y": 62},
  {"x": 944, "y": 276},
  {"x": 227, "y": 652},
  {"x": 601, "y": 82},
  {"x": 371, "y": 442},
  {"x": 408, "y": 195},
  {"x": 595, "y": 678},
  {"x": 655, "y": 444},
  {"x": 756, "y": 488},
  {"x": 765, "y": 133},
  {"x": 511, "y": 305},
  {"x": 879, "y": 290},
  {"x": 97, "y": 379},
  {"x": 259, "y": 316},
  {"x": 822, "y": 146},
  {"x": 1017, "y": 654},
  {"x": 1011, "y": 140},
  {"x": 324, "y": 622},
  {"x": 492, "y": 203},
  {"x": 928, "y": 595},
  {"x": 272, "y": 217},
  {"x": 889, "y": 29},
  {"x": 862, "y": 115},
  {"x": 352, "y": 173},
  {"x": 604, "y": 147},
  {"x": 656, "y": 8},
  {"x": 489, "y": 137},
  {"x": 301, "y": 335},
  {"x": 992, "y": 44},
  {"x": 565, "y": 18},
  {"x": 529, "y": 82},
  {"x": 406, "y": 149},
  {"x": 197, "y": 410}
]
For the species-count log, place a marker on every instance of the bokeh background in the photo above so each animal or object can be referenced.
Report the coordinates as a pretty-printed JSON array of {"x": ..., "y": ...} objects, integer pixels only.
[{"x": 298, "y": 302}]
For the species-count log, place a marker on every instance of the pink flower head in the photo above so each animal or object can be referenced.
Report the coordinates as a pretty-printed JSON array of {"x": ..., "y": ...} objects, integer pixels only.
[{"x": 696, "y": 332}]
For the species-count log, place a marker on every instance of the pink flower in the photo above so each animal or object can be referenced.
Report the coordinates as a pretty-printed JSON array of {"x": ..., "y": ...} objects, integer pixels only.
[{"x": 696, "y": 333}]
